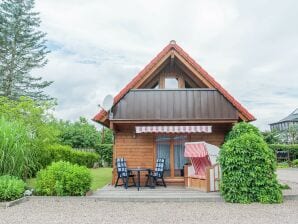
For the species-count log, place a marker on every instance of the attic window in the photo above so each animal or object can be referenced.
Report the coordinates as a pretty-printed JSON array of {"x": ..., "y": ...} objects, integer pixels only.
[
  {"x": 171, "y": 83},
  {"x": 155, "y": 86},
  {"x": 187, "y": 85}
]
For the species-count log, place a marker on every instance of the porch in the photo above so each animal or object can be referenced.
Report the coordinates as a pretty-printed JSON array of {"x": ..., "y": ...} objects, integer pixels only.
[{"x": 158, "y": 194}]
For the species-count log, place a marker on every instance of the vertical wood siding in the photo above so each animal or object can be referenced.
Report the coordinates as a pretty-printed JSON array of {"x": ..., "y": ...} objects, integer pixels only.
[{"x": 182, "y": 104}]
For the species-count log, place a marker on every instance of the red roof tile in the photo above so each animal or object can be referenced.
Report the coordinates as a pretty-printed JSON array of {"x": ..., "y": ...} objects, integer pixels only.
[{"x": 101, "y": 115}]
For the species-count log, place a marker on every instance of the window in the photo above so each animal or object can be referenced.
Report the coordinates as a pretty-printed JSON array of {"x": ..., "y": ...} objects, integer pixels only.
[
  {"x": 155, "y": 86},
  {"x": 171, "y": 83},
  {"x": 171, "y": 148},
  {"x": 187, "y": 85}
]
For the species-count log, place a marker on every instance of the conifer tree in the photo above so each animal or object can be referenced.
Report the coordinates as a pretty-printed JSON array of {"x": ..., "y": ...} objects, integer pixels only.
[{"x": 22, "y": 48}]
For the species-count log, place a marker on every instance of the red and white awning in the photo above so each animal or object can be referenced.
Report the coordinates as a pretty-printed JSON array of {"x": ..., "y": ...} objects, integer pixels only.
[
  {"x": 197, "y": 149},
  {"x": 173, "y": 129}
]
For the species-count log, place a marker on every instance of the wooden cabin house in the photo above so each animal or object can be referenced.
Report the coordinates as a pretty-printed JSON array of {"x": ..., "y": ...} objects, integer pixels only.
[{"x": 171, "y": 101}]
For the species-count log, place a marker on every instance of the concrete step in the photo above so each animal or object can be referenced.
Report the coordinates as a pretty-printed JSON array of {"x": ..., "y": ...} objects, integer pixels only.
[
  {"x": 158, "y": 194},
  {"x": 157, "y": 198}
]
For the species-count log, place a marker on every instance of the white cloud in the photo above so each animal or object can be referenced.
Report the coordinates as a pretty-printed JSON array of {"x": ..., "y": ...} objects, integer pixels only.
[{"x": 98, "y": 46}]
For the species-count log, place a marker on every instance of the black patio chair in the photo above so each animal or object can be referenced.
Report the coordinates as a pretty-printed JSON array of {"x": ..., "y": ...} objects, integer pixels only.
[
  {"x": 157, "y": 174},
  {"x": 123, "y": 173}
]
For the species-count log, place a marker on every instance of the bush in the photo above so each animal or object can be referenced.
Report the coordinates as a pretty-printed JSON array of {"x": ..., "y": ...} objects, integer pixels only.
[
  {"x": 283, "y": 165},
  {"x": 242, "y": 128},
  {"x": 295, "y": 163},
  {"x": 248, "y": 169},
  {"x": 17, "y": 158},
  {"x": 11, "y": 188},
  {"x": 58, "y": 152},
  {"x": 63, "y": 179},
  {"x": 106, "y": 152},
  {"x": 284, "y": 187}
]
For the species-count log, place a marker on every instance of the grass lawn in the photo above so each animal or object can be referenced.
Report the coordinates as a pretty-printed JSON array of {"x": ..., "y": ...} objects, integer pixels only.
[{"x": 100, "y": 177}]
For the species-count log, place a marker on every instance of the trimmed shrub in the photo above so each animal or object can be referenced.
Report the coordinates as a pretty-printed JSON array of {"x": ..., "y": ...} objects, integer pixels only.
[
  {"x": 106, "y": 152},
  {"x": 63, "y": 179},
  {"x": 17, "y": 157},
  {"x": 58, "y": 152},
  {"x": 11, "y": 188},
  {"x": 248, "y": 170},
  {"x": 242, "y": 128}
]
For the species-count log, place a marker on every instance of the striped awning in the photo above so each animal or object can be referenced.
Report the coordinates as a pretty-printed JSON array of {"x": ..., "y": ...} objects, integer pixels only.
[
  {"x": 173, "y": 129},
  {"x": 196, "y": 149}
]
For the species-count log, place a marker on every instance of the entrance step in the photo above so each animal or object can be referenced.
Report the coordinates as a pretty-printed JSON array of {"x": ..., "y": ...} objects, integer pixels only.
[{"x": 159, "y": 194}]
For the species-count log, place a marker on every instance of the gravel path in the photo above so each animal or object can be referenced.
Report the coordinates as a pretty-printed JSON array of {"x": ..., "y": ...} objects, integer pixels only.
[
  {"x": 73, "y": 210},
  {"x": 288, "y": 174},
  {"x": 83, "y": 210}
]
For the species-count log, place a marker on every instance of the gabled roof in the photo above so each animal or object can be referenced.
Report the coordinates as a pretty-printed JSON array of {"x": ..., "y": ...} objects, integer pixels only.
[
  {"x": 293, "y": 117},
  {"x": 175, "y": 48}
]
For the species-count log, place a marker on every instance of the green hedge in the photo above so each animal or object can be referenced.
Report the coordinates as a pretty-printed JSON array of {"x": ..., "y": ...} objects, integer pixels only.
[
  {"x": 63, "y": 179},
  {"x": 106, "y": 152},
  {"x": 291, "y": 148},
  {"x": 248, "y": 168},
  {"x": 55, "y": 153},
  {"x": 283, "y": 147},
  {"x": 11, "y": 188}
]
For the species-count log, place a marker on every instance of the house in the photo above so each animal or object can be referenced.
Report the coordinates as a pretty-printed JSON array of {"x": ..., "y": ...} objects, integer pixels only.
[
  {"x": 173, "y": 100},
  {"x": 284, "y": 124}
]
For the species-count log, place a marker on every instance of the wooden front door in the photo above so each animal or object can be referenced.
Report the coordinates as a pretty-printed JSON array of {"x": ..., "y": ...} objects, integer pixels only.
[{"x": 171, "y": 148}]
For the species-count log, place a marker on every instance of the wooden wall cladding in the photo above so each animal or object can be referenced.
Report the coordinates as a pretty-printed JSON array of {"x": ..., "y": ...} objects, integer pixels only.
[{"x": 139, "y": 149}]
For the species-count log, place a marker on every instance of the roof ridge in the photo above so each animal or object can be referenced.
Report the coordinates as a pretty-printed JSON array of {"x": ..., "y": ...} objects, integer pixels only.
[
  {"x": 195, "y": 65},
  {"x": 217, "y": 85}
]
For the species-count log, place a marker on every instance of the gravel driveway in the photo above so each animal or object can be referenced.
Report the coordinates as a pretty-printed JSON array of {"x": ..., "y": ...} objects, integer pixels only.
[
  {"x": 288, "y": 174},
  {"x": 83, "y": 210},
  {"x": 86, "y": 210}
]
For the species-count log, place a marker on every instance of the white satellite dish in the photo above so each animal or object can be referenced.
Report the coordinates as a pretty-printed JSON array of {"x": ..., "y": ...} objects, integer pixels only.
[{"x": 107, "y": 102}]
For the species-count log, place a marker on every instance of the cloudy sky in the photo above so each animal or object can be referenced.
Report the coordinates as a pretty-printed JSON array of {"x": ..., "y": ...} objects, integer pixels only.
[{"x": 250, "y": 47}]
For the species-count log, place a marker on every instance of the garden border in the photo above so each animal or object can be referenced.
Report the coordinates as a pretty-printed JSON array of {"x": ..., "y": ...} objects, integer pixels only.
[{"x": 7, "y": 204}]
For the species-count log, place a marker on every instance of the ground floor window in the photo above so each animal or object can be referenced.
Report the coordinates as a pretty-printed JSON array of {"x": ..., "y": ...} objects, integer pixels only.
[{"x": 171, "y": 148}]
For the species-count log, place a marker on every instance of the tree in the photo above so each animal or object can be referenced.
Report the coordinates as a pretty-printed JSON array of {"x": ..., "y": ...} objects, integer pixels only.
[
  {"x": 22, "y": 48},
  {"x": 79, "y": 134},
  {"x": 107, "y": 136},
  {"x": 271, "y": 137}
]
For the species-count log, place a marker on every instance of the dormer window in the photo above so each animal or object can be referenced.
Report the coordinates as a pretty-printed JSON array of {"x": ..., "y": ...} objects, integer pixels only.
[{"x": 171, "y": 83}]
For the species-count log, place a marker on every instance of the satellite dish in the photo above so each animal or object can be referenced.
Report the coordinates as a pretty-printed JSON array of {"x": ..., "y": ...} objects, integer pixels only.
[{"x": 107, "y": 102}]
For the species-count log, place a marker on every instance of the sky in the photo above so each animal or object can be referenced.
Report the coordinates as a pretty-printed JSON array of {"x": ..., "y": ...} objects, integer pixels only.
[{"x": 97, "y": 47}]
